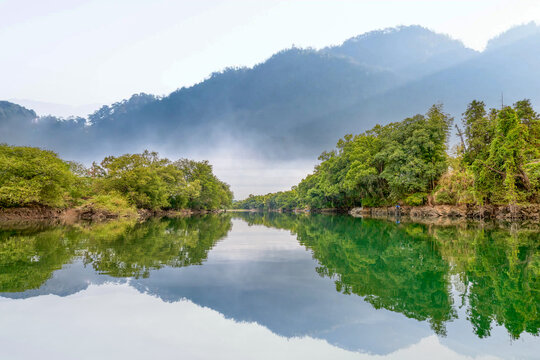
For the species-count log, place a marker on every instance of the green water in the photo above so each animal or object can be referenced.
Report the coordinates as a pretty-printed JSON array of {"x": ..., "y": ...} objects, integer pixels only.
[{"x": 353, "y": 286}]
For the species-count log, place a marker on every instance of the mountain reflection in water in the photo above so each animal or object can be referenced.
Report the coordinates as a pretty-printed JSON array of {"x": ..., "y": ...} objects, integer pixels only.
[{"x": 361, "y": 284}]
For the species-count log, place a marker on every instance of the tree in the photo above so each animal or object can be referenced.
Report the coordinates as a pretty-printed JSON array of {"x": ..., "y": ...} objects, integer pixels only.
[
  {"x": 145, "y": 179},
  {"x": 208, "y": 191},
  {"x": 479, "y": 131},
  {"x": 531, "y": 119},
  {"x": 502, "y": 176},
  {"x": 33, "y": 176}
]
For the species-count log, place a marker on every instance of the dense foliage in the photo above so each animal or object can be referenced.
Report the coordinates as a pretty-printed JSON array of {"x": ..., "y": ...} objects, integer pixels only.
[
  {"x": 31, "y": 176},
  {"x": 206, "y": 191},
  {"x": 497, "y": 162}
]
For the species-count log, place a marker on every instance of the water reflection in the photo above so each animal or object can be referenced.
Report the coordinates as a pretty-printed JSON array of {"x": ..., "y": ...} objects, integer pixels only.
[
  {"x": 134, "y": 250},
  {"x": 360, "y": 284},
  {"x": 29, "y": 255},
  {"x": 139, "y": 326},
  {"x": 406, "y": 267}
]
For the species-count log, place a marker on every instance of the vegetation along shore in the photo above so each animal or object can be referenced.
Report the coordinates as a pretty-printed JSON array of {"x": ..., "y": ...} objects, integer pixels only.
[
  {"x": 37, "y": 184},
  {"x": 402, "y": 168},
  {"x": 493, "y": 171}
]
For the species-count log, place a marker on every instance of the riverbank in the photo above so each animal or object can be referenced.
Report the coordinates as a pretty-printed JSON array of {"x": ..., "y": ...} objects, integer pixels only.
[
  {"x": 500, "y": 212},
  {"x": 89, "y": 214},
  {"x": 519, "y": 212},
  {"x": 496, "y": 212}
]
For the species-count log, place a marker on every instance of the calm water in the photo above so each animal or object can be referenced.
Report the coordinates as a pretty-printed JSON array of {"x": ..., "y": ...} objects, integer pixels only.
[{"x": 273, "y": 286}]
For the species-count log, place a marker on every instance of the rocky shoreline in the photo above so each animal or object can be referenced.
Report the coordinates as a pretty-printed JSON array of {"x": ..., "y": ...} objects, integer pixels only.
[
  {"x": 86, "y": 214},
  {"x": 506, "y": 212},
  {"x": 499, "y": 212}
]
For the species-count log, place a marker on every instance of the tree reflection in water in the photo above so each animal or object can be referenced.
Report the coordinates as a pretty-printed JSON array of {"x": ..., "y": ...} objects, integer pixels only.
[
  {"x": 415, "y": 269},
  {"x": 29, "y": 256},
  {"x": 409, "y": 267}
]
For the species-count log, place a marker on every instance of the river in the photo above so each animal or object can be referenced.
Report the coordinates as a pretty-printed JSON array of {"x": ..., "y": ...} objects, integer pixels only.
[{"x": 269, "y": 286}]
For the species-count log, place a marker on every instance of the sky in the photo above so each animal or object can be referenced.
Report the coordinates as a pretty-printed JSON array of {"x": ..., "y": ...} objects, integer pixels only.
[{"x": 82, "y": 53}]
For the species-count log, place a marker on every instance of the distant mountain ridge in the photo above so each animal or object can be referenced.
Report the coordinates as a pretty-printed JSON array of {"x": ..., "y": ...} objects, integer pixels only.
[
  {"x": 299, "y": 101},
  {"x": 59, "y": 110},
  {"x": 411, "y": 51}
]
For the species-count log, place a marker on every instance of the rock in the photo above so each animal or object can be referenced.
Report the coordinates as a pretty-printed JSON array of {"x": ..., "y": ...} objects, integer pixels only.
[
  {"x": 356, "y": 212},
  {"x": 31, "y": 213},
  {"x": 502, "y": 212}
]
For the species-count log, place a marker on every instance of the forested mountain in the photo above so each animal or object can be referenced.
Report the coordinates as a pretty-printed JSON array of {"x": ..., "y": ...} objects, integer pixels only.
[
  {"x": 410, "y": 51},
  {"x": 299, "y": 100},
  {"x": 13, "y": 112},
  {"x": 507, "y": 68},
  {"x": 13, "y": 119}
]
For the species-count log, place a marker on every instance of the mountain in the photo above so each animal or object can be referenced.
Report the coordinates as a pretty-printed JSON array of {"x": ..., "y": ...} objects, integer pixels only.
[
  {"x": 62, "y": 110},
  {"x": 508, "y": 70},
  {"x": 286, "y": 100},
  {"x": 411, "y": 51},
  {"x": 10, "y": 112},
  {"x": 299, "y": 101},
  {"x": 15, "y": 120},
  {"x": 513, "y": 35}
]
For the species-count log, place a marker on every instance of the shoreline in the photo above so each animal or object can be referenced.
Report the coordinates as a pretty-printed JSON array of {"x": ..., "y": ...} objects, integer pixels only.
[
  {"x": 465, "y": 212},
  {"x": 71, "y": 215},
  {"x": 529, "y": 212},
  {"x": 472, "y": 212}
]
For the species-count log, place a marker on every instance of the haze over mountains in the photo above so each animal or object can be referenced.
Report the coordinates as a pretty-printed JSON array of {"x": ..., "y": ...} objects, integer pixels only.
[{"x": 297, "y": 103}]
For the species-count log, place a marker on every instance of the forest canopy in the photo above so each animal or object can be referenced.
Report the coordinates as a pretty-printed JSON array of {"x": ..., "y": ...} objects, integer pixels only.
[{"x": 496, "y": 162}]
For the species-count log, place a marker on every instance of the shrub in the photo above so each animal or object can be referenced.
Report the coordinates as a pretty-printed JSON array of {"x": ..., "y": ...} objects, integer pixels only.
[
  {"x": 532, "y": 170},
  {"x": 416, "y": 199},
  {"x": 113, "y": 203},
  {"x": 455, "y": 187}
]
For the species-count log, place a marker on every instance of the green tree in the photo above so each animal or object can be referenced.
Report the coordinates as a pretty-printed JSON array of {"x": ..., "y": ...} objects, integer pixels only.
[
  {"x": 33, "y": 176},
  {"x": 479, "y": 131},
  {"x": 145, "y": 179},
  {"x": 208, "y": 191},
  {"x": 502, "y": 177}
]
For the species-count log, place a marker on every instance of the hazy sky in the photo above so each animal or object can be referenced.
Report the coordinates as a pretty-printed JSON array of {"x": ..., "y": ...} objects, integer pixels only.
[{"x": 80, "y": 52}]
